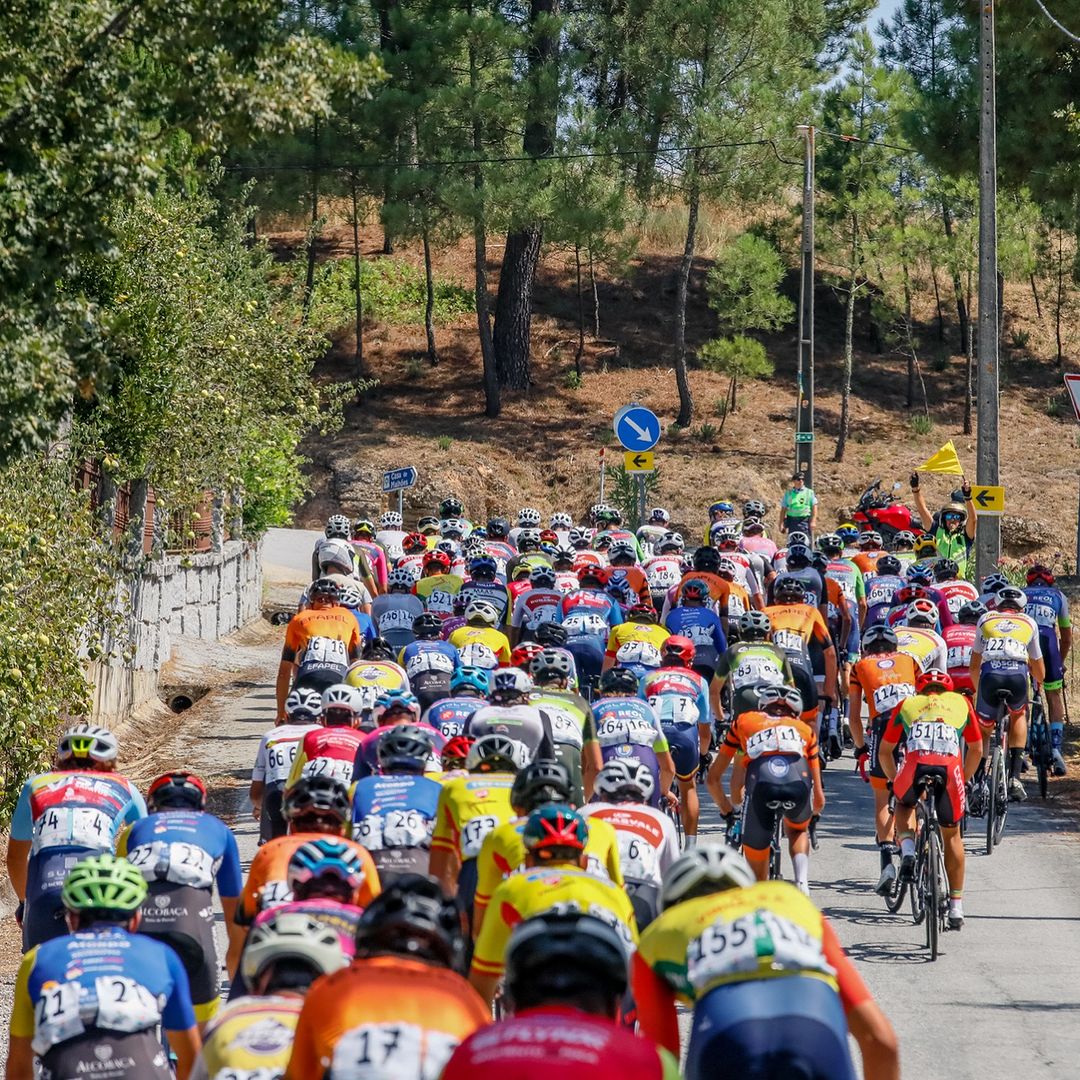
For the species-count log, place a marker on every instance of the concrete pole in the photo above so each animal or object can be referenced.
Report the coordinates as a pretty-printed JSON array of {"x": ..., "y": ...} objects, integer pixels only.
[{"x": 804, "y": 425}]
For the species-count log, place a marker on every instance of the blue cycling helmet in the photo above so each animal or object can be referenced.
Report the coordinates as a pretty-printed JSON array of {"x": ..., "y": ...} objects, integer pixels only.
[
  {"x": 919, "y": 574},
  {"x": 327, "y": 857},
  {"x": 723, "y": 507},
  {"x": 483, "y": 565},
  {"x": 471, "y": 678},
  {"x": 389, "y": 700},
  {"x": 848, "y": 533},
  {"x": 405, "y": 746}
]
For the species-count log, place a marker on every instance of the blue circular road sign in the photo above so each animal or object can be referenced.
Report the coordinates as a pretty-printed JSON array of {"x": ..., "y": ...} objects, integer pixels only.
[{"x": 636, "y": 427}]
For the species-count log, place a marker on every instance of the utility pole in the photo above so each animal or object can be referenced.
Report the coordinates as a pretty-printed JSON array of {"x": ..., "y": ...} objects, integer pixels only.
[
  {"x": 804, "y": 423},
  {"x": 988, "y": 535}
]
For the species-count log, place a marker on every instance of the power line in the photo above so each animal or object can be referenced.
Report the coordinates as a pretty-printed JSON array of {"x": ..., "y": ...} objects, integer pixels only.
[
  {"x": 1065, "y": 30},
  {"x": 866, "y": 142}
]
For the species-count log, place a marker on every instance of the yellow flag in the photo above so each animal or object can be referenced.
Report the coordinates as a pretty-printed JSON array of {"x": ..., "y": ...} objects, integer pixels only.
[{"x": 944, "y": 461}]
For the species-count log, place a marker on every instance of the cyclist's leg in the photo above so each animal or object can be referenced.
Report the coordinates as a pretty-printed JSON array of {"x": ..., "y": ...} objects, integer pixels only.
[
  {"x": 905, "y": 797},
  {"x": 797, "y": 821},
  {"x": 1054, "y": 694},
  {"x": 757, "y": 821},
  {"x": 272, "y": 822},
  {"x": 683, "y": 742}
]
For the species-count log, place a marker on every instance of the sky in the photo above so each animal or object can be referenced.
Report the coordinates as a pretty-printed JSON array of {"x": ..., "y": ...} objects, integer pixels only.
[{"x": 884, "y": 10}]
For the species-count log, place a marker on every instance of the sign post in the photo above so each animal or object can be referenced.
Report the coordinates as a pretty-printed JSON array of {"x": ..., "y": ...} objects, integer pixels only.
[
  {"x": 398, "y": 480},
  {"x": 1072, "y": 385},
  {"x": 638, "y": 430}
]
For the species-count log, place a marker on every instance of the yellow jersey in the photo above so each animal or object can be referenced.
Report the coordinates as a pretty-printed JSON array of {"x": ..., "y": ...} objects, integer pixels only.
[
  {"x": 438, "y": 592},
  {"x": 559, "y": 889},
  {"x": 470, "y": 806},
  {"x": 495, "y": 640},
  {"x": 626, "y": 632},
  {"x": 251, "y": 1035}
]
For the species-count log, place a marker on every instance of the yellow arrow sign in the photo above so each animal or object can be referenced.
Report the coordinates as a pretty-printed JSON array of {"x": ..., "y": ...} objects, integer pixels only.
[
  {"x": 988, "y": 499},
  {"x": 638, "y": 461}
]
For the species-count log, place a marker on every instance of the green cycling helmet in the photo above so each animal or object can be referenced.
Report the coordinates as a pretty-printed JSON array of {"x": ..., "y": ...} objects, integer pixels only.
[{"x": 104, "y": 883}]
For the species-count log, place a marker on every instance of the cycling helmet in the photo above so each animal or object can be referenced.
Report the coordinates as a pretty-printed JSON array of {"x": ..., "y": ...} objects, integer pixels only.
[
  {"x": 292, "y": 937},
  {"x": 925, "y": 679},
  {"x": 870, "y": 539},
  {"x": 1040, "y": 572},
  {"x": 523, "y": 655},
  {"x": 754, "y": 626},
  {"x": 325, "y": 588},
  {"x": 790, "y": 587},
  {"x": 427, "y": 626},
  {"x": 798, "y": 555},
  {"x": 378, "y": 648},
  {"x": 555, "y": 831},
  {"x": 396, "y": 700},
  {"x": 831, "y": 544},
  {"x": 602, "y": 541},
  {"x": 350, "y": 596},
  {"x": 879, "y": 638},
  {"x": 798, "y": 537},
  {"x": 560, "y": 956},
  {"x": 563, "y": 555},
  {"x": 483, "y": 612},
  {"x": 642, "y": 613},
  {"x": 451, "y": 507},
  {"x": 679, "y": 648},
  {"x": 390, "y": 521},
  {"x": 400, "y": 579},
  {"x": 438, "y": 559},
  {"x": 551, "y": 633},
  {"x": 104, "y": 884},
  {"x": 455, "y": 752},
  {"x": 609, "y": 515},
  {"x": 704, "y": 869},
  {"x": 405, "y": 746},
  {"x": 498, "y": 528},
  {"x": 670, "y": 541},
  {"x": 904, "y": 540},
  {"x": 754, "y": 508},
  {"x": 304, "y": 706},
  {"x": 624, "y": 780},
  {"x": 175, "y": 791},
  {"x": 483, "y": 568},
  {"x": 786, "y": 696},
  {"x": 453, "y": 529},
  {"x": 338, "y": 527},
  {"x": 722, "y": 507},
  {"x": 726, "y": 568},
  {"x": 363, "y": 527},
  {"x": 1011, "y": 597},
  {"x": 529, "y": 518},
  {"x": 751, "y": 526},
  {"x": 922, "y": 610},
  {"x": 448, "y": 548},
  {"x": 540, "y": 782},
  {"x": 561, "y": 520},
  {"x": 593, "y": 573},
  {"x": 847, "y": 532},
  {"x": 428, "y": 525},
  {"x": 326, "y": 857},
  {"x": 889, "y": 564},
  {"x": 971, "y": 612},
  {"x": 343, "y": 704},
  {"x": 820, "y": 561},
  {"x": 622, "y": 549},
  {"x": 414, "y": 543},
  {"x": 542, "y": 577},
  {"x": 509, "y": 682},
  {"x": 578, "y": 538},
  {"x": 317, "y": 795},
  {"x": 528, "y": 539},
  {"x": 336, "y": 553},
  {"x": 619, "y": 682},
  {"x": 919, "y": 574},
  {"x": 550, "y": 663},
  {"x": 993, "y": 583},
  {"x": 497, "y": 753},
  {"x": 696, "y": 589},
  {"x": 659, "y": 516},
  {"x": 925, "y": 547},
  {"x": 946, "y": 570},
  {"x": 87, "y": 742},
  {"x": 706, "y": 559},
  {"x": 413, "y": 917},
  {"x": 470, "y": 678}
]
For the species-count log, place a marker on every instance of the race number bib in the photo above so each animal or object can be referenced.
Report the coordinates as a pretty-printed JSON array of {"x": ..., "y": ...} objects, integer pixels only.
[
  {"x": 933, "y": 737},
  {"x": 662, "y": 575},
  {"x": 886, "y": 698},
  {"x": 632, "y": 729},
  {"x": 125, "y": 1005},
  {"x": 959, "y": 657},
  {"x": 781, "y": 739},
  {"x": 180, "y": 863},
  {"x": 675, "y": 709},
  {"x": 331, "y": 767},
  {"x": 789, "y": 640},
  {"x": 323, "y": 650},
  {"x": 391, "y": 1051},
  {"x": 565, "y": 727},
  {"x": 736, "y": 607},
  {"x": 478, "y": 655},
  {"x": 279, "y": 759},
  {"x": 394, "y": 829},
  {"x": 472, "y": 836},
  {"x": 430, "y": 661},
  {"x": 56, "y": 1016},
  {"x": 753, "y": 670},
  {"x": 584, "y": 624},
  {"x": 274, "y": 893},
  {"x": 440, "y": 601},
  {"x": 639, "y": 860},
  {"x": 1005, "y": 648},
  {"x": 77, "y": 826}
]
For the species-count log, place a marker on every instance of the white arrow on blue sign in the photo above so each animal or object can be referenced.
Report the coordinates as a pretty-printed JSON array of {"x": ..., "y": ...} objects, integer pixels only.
[
  {"x": 399, "y": 479},
  {"x": 636, "y": 427}
]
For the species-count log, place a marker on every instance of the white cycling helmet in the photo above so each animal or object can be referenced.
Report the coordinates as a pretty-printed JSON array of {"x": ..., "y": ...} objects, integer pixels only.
[
  {"x": 454, "y": 527},
  {"x": 670, "y": 541},
  {"x": 336, "y": 553},
  {"x": 659, "y": 515},
  {"x": 351, "y": 596},
  {"x": 338, "y": 527},
  {"x": 483, "y": 611},
  {"x": 291, "y": 935},
  {"x": 528, "y": 536},
  {"x": 704, "y": 869},
  {"x": 304, "y": 706},
  {"x": 86, "y": 740},
  {"x": 625, "y": 778},
  {"x": 401, "y": 577},
  {"x": 561, "y": 520},
  {"x": 509, "y": 680},
  {"x": 391, "y": 520},
  {"x": 529, "y": 517},
  {"x": 500, "y": 753},
  {"x": 344, "y": 696},
  {"x": 727, "y": 566},
  {"x": 622, "y": 549}
]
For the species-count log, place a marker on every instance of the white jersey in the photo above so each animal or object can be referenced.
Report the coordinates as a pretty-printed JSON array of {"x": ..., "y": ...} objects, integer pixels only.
[
  {"x": 277, "y": 749},
  {"x": 648, "y": 843},
  {"x": 390, "y": 540}
]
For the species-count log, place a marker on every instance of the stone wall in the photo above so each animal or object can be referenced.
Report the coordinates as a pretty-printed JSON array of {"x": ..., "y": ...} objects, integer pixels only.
[{"x": 205, "y": 595}]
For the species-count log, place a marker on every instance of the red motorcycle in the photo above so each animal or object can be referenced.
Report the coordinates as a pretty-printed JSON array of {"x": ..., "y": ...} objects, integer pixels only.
[{"x": 882, "y": 512}]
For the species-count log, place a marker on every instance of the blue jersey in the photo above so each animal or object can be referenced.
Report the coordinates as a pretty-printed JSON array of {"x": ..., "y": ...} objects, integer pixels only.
[
  {"x": 448, "y": 716},
  {"x": 628, "y": 720},
  {"x": 1048, "y": 607},
  {"x": 429, "y": 657},
  {"x": 494, "y": 592},
  {"x": 363, "y": 620},
  {"x": 703, "y": 627},
  {"x": 588, "y": 612},
  {"x": 880, "y": 591},
  {"x": 394, "y": 817},
  {"x": 186, "y": 848}
]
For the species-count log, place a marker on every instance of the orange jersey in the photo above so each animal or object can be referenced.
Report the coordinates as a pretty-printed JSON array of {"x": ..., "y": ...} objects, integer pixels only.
[
  {"x": 719, "y": 588},
  {"x": 758, "y": 735},
  {"x": 738, "y": 600},
  {"x": 268, "y": 879},
  {"x": 336, "y": 623},
  {"x": 885, "y": 680},
  {"x": 794, "y": 626},
  {"x": 403, "y": 1016},
  {"x": 867, "y": 561}
]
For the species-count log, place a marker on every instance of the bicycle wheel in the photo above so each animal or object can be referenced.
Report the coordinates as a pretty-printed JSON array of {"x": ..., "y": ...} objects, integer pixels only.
[
  {"x": 1001, "y": 798},
  {"x": 676, "y": 818},
  {"x": 934, "y": 890},
  {"x": 774, "y": 854},
  {"x": 1039, "y": 745},
  {"x": 917, "y": 888},
  {"x": 894, "y": 898},
  {"x": 992, "y": 798}
]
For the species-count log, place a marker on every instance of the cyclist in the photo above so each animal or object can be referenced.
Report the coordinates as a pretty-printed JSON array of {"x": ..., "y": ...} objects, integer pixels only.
[
  {"x": 376, "y": 674},
  {"x": 640, "y": 626},
  {"x": 336, "y": 549},
  {"x": 541, "y": 602},
  {"x": 554, "y": 879},
  {"x": 319, "y": 643},
  {"x": 959, "y": 639},
  {"x": 391, "y": 536},
  {"x": 920, "y": 586},
  {"x": 274, "y": 758},
  {"x": 563, "y": 559},
  {"x": 623, "y": 558},
  {"x": 849, "y": 533},
  {"x": 871, "y": 548},
  {"x": 917, "y": 637},
  {"x": 538, "y": 784},
  {"x": 588, "y": 614},
  {"x": 882, "y": 588},
  {"x": 437, "y": 587},
  {"x": 101, "y": 986},
  {"x": 782, "y": 767},
  {"x": 883, "y": 678},
  {"x": 510, "y": 713},
  {"x": 755, "y": 540},
  {"x": 183, "y": 852},
  {"x": 1005, "y": 657},
  {"x": 648, "y": 843},
  {"x": 252, "y": 1036},
  {"x": 992, "y": 584},
  {"x": 401, "y": 1007},
  {"x": 528, "y": 518},
  {"x": 694, "y": 618},
  {"x": 315, "y": 806},
  {"x": 665, "y": 568},
  {"x": 393, "y": 812},
  {"x": 742, "y": 566},
  {"x": 469, "y": 687},
  {"x": 952, "y": 528},
  {"x": 483, "y": 584},
  {"x": 845, "y": 573},
  {"x": 680, "y": 698},
  {"x": 704, "y": 566},
  {"x": 932, "y": 725},
  {"x": 764, "y": 973},
  {"x": 414, "y": 548},
  {"x": 497, "y": 544},
  {"x": 751, "y": 662},
  {"x": 955, "y": 591},
  {"x": 331, "y": 748},
  {"x": 428, "y": 526},
  {"x": 530, "y": 555},
  {"x": 721, "y": 513},
  {"x": 656, "y": 525},
  {"x": 1047, "y": 605},
  {"x": 363, "y": 539},
  {"x": 75, "y": 809},
  {"x": 429, "y": 662},
  {"x": 392, "y": 709},
  {"x": 565, "y": 977}
]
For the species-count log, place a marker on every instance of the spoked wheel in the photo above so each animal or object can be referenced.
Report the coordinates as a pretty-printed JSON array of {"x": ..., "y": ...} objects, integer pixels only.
[
  {"x": 917, "y": 889},
  {"x": 934, "y": 892},
  {"x": 1001, "y": 795},
  {"x": 894, "y": 898},
  {"x": 992, "y": 798}
]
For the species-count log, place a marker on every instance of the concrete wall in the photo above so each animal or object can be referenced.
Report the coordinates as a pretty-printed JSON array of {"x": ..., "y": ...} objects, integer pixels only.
[{"x": 205, "y": 595}]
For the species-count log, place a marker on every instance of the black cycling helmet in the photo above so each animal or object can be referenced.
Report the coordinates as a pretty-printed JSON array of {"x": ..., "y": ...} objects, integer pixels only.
[
  {"x": 831, "y": 544},
  {"x": 378, "y": 648},
  {"x": 706, "y": 560},
  {"x": 555, "y": 958},
  {"x": 324, "y": 588},
  {"x": 413, "y": 917},
  {"x": 427, "y": 626},
  {"x": 619, "y": 682},
  {"x": 551, "y": 633},
  {"x": 946, "y": 570},
  {"x": 791, "y": 587},
  {"x": 498, "y": 528},
  {"x": 889, "y": 564},
  {"x": 317, "y": 795},
  {"x": 540, "y": 782},
  {"x": 879, "y": 638},
  {"x": 971, "y": 612},
  {"x": 451, "y": 507}
]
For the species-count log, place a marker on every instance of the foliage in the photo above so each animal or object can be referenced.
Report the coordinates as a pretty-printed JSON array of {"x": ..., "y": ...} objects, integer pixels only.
[
  {"x": 743, "y": 286},
  {"x": 738, "y": 356},
  {"x": 705, "y": 433},
  {"x": 572, "y": 381},
  {"x": 623, "y": 487},
  {"x": 921, "y": 424}
]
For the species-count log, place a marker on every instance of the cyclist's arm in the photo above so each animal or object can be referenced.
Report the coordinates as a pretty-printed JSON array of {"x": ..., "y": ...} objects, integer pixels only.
[
  {"x": 655, "y": 1002},
  {"x": 858, "y": 733},
  {"x": 285, "y": 673},
  {"x": 975, "y": 666},
  {"x": 20, "y": 1060},
  {"x": 667, "y": 770}
]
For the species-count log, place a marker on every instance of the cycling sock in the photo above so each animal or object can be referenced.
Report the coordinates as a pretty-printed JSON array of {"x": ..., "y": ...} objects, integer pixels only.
[
  {"x": 801, "y": 864},
  {"x": 885, "y": 853},
  {"x": 1057, "y": 733},
  {"x": 1016, "y": 757},
  {"x": 689, "y": 841},
  {"x": 907, "y": 846},
  {"x": 956, "y": 894}
]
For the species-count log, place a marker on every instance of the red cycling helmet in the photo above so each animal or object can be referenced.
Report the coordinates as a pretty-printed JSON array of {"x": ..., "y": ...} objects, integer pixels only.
[
  {"x": 413, "y": 543},
  {"x": 525, "y": 653},
  {"x": 1039, "y": 572},
  {"x": 679, "y": 646},
  {"x": 457, "y": 749},
  {"x": 928, "y": 679},
  {"x": 642, "y": 612},
  {"x": 176, "y": 789},
  {"x": 549, "y": 536},
  {"x": 590, "y": 571},
  {"x": 436, "y": 558}
]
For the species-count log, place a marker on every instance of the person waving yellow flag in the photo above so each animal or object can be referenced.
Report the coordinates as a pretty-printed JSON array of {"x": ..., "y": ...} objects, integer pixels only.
[{"x": 945, "y": 460}]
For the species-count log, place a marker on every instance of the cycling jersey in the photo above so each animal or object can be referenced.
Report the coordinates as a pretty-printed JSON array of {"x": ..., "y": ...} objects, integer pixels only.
[
  {"x": 849, "y": 577},
  {"x": 880, "y": 592},
  {"x": 959, "y": 639},
  {"x": 558, "y": 1043},
  {"x": 588, "y": 611},
  {"x": 680, "y": 699},
  {"x": 503, "y": 853},
  {"x": 249, "y": 1038},
  {"x": 867, "y": 562},
  {"x": 494, "y": 592},
  {"x": 101, "y": 989},
  {"x": 620, "y": 720},
  {"x": 394, "y": 817},
  {"x": 570, "y": 721},
  {"x": 522, "y": 723},
  {"x": 719, "y": 589},
  {"x": 924, "y": 646},
  {"x": 384, "y": 1017},
  {"x": 429, "y": 666},
  {"x": 703, "y": 627},
  {"x": 372, "y": 677},
  {"x": 438, "y": 592},
  {"x": 326, "y": 751},
  {"x": 366, "y": 762},
  {"x": 390, "y": 540},
  {"x": 795, "y": 626},
  {"x": 1050, "y": 610},
  {"x": 662, "y": 573},
  {"x": 633, "y": 579},
  {"x": 956, "y": 594},
  {"x": 466, "y": 638},
  {"x": 559, "y": 889},
  {"x": 327, "y": 625},
  {"x": 535, "y": 606},
  {"x": 267, "y": 882},
  {"x": 469, "y": 808},
  {"x": 627, "y": 632},
  {"x": 884, "y": 681},
  {"x": 1006, "y": 641},
  {"x": 277, "y": 751},
  {"x": 450, "y": 715},
  {"x": 759, "y": 735},
  {"x": 748, "y": 665}
]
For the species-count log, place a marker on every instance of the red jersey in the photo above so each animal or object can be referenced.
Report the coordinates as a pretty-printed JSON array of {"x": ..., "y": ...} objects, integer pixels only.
[
  {"x": 956, "y": 594},
  {"x": 326, "y": 751},
  {"x": 959, "y": 639}
]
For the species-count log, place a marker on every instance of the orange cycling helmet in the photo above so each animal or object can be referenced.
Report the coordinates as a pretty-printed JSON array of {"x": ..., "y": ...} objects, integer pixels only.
[
  {"x": 413, "y": 543},
  {"x": 598, "y": 573}
]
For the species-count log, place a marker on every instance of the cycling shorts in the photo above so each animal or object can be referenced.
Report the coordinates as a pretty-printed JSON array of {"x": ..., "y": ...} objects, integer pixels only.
[
  {"x": 588, "y": 654},
  {"x": 645, "y": 898},
  {"x": 683, "y": 743},
  {"x": 993, "y": 683},
  {"x": 43, "y": 920},
  {"x": 132, "y": 1056},
  {"x": 1055, "y": 667},
  {"x": 272, "y": 823},
  {"x": 430, "y": 686},
  {"x": 319, "y": 679},
  {"x": 779, "y": 778},
  {"x": 951, "y": 800},
  {"x": 392, "y": 862},
  {"x": 805, "y": 682},
  {"x": 706, "y": 671},
  {"x": 789, "y": 1028},
  {"x": 878, "y": 779}
]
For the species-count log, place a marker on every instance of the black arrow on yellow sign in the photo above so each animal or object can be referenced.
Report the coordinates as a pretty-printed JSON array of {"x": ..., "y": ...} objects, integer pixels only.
[{"x": 640, "y": 460}]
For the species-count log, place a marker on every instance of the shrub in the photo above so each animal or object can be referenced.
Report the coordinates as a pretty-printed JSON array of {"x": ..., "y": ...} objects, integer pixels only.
[
  {"x": 705, "y": 433},
  {"x": 572, "y": 380},
  {"x": 1019, "y": 339},
  {"x": 720, "y": 407},
  {"x": 444, "y": 442},
  {"x": 922, "y": 424}
]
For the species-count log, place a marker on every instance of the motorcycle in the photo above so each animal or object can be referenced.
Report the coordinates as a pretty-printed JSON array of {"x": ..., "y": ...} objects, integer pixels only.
[{"x": 882, "y": 512}]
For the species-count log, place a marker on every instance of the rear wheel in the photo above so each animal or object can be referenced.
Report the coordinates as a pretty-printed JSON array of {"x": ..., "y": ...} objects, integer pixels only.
[
  {"x": 935, "y": 894},
  {"x": 1001, "y": 795},
  {"x": 992, "y": 798},
  {"x": 917, "y": 888},
  {"x": 774, "y": 855},
  {"x": 894, "y": 898}
]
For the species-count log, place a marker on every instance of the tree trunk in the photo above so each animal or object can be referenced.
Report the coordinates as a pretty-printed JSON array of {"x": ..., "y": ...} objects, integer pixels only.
[
  {"x": 907, "y": 327},
  {"x": 1035, "y": 296},
  {"x": 309, "y": 277},
  {"x": 429, "y": 306},
  {"x": 1059, "y": 303},
  {"x": 580, "y": 311},
  {"x": 358, "y": 352},
  {"x": 595, "y": 296},
  {"x": 849, "y": 349},
  {"x": 962, "y": 308},
  {"x": 682, "y": 378},
  {"x": 937, "y": 302},
  {"x": 969, "y": 384}
]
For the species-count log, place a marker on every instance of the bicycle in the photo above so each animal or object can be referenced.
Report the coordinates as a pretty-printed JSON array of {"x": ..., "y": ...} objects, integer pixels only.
[
  {"x": 930, "y": 888},
  {"x": 995, "y": 778},
  {"x": 775, "y": 850},
  {"x": 674, "y": 811},
  {"x": 1039, "y": 747},
  {"x": 894, "y": 898}
]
